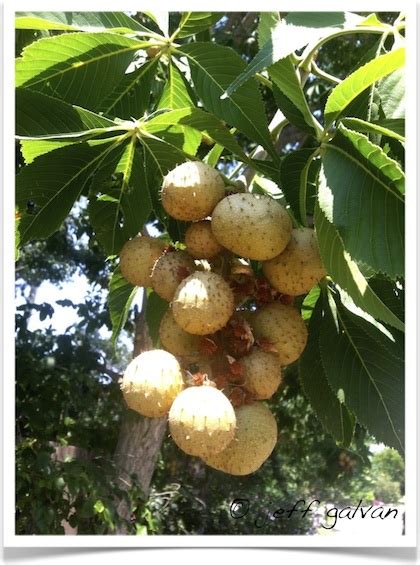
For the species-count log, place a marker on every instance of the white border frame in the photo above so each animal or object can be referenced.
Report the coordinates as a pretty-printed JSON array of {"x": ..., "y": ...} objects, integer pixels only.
[{"x": 9, "y": 537}]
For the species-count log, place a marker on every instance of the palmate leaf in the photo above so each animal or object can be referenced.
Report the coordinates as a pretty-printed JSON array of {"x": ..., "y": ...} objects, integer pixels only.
[
  {"x": 201, "y": 121},
  {"x": 390, "y": 128},
  {"x": 175, "y": 92},
  {"x": 365, "y": 371},
  {"x": 47, "y": 188},
  {"x": 34, "y": 148},
  {"x": 392, "y": 295},
  {"x": 298, "y": 173},
  {"x": 120, "y": 203},
  {"x": 345, "y": 272},
  {"x": 213, "y": 67},
  {"x": 366, "y": 104},
  {"x": 175, "y": 95},
  {"x": 359, "y": 197},
  {"x": 331, "y": 412},
  {"x": 80, "y": 68},
  {"x": 289, "y": 95},
  {"x": 372, "y": 157},
  {"x": 79, "y": 21},
  {"x": 161, "y": 19},
  {"x": 184, "y": 138},
  {"x": 345, "y": 92},
  {"x": 130, "y": 97},
  {"x": 391, "y": 91},
  {"x": 194, "y": 22},
  {"x": 267, "y": 21},
  {"x": 213, "y": 156},
  {"x": 296, "y": 30},
  {"x": 40, "y": 115},
  {"x": 120, "y": 297}
]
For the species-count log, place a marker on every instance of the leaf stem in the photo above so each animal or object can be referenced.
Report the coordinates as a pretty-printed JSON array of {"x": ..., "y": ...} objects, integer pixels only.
[
  {"x": 310, "y": 51},
  {"x": 315, "y": 70}
]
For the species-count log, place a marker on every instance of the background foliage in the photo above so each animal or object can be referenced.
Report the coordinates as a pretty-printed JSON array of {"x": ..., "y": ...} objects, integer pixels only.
[{"x": 93, "y": 144}]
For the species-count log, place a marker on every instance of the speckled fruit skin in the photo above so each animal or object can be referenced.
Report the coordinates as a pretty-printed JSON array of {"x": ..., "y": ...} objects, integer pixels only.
[
  {"x": 168, "y": 271},
  {"x": 175, "y": 340},
  {"x": 191, "y": 191},
  {"x": 299, "y": 267},
  {"x": 203, "y": 303},
  {"x": 200, "y": 241},
  {"x": 202, "y": 421},
  {"x": 282, "y": 326},
  {"x": 151, "y": 383},
  {"x": 137, "y": 257},
  {"x": 254, "y": 441},
  {"x": 262, "y": 373},
  {"x": 252, "y": 226}
]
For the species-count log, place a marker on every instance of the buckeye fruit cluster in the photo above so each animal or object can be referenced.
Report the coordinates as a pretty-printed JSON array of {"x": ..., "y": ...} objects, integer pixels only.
[{"x": 228, "y": 331}]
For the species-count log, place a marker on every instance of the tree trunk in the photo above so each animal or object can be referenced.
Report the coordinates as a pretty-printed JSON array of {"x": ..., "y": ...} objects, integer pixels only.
[{"x": 140, "y": 438}]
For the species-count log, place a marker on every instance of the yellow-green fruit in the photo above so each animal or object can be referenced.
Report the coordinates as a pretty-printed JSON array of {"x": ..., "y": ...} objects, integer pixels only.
[
  {"x": 282, "y": 326},
  {"x": 299, "y": 267},
  {"x": 200, "y": 241},
  {"x": 203, "y": 303},
  {"x": 169, "y": 270},
  {"x": 137, "y": 257},
  {"x": 262, "y": 373},
  {"x": 202, "y": 421},
  {"x": 252, "y": 226},
  {"x": 151, "y": 383},
  {"x": 191, "y": 191},
  {"x": 254, "y": 441},
  {"x": 175, "y": 340}
]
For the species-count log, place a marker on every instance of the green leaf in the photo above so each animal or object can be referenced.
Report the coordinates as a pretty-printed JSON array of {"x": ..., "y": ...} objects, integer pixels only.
[
  {"x": 370, "y": 377},
  {"x": 298, "y": 174},
  {"x": 366, "y": 104},
  {"x": 372, "y": 157},
  {"x": 195, "y": 22},
  {"x": 293, "y": 32},
  {"x": 40, "y": 115},
  {"x": 161, "y": 19},
  {"x": 267, "y": 21},
  {"x": 175, "y": 93},
  {"x": 78, "y": 21},
  {"x": 364, "y": 205},
  {"x": 395, "y": 129},
  {"x": 392, "y": 94},
  {"x": 130, "y": 97},
  {"x": 268, "y": 169},
  {"x": 373, "y": 21},
  {"x": 120, "y": 203},
  {"x": 391, "y": 294},
  {"x": 60, "y": 178},
  {"x": 333, "y": 414},
  {"x": 357, "y": 82},
  {"x": 213, "y": 67},
  {"x": 289, "y": 95},
  {"x": 345, "y": 272},
  {"x": 309, "y": 302},
  {"x": 155, "y": 310},
  {"x": 199, "y": 120},
  {"x": 32, "y": 149},
  {"x": 120, "y": 297},
  {"x": 81, "y": 68},
  {"x": 213, "y": 156}
]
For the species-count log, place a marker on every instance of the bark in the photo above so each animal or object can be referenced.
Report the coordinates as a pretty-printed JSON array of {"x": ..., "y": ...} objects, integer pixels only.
[{"x": 140, "y": 438}]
